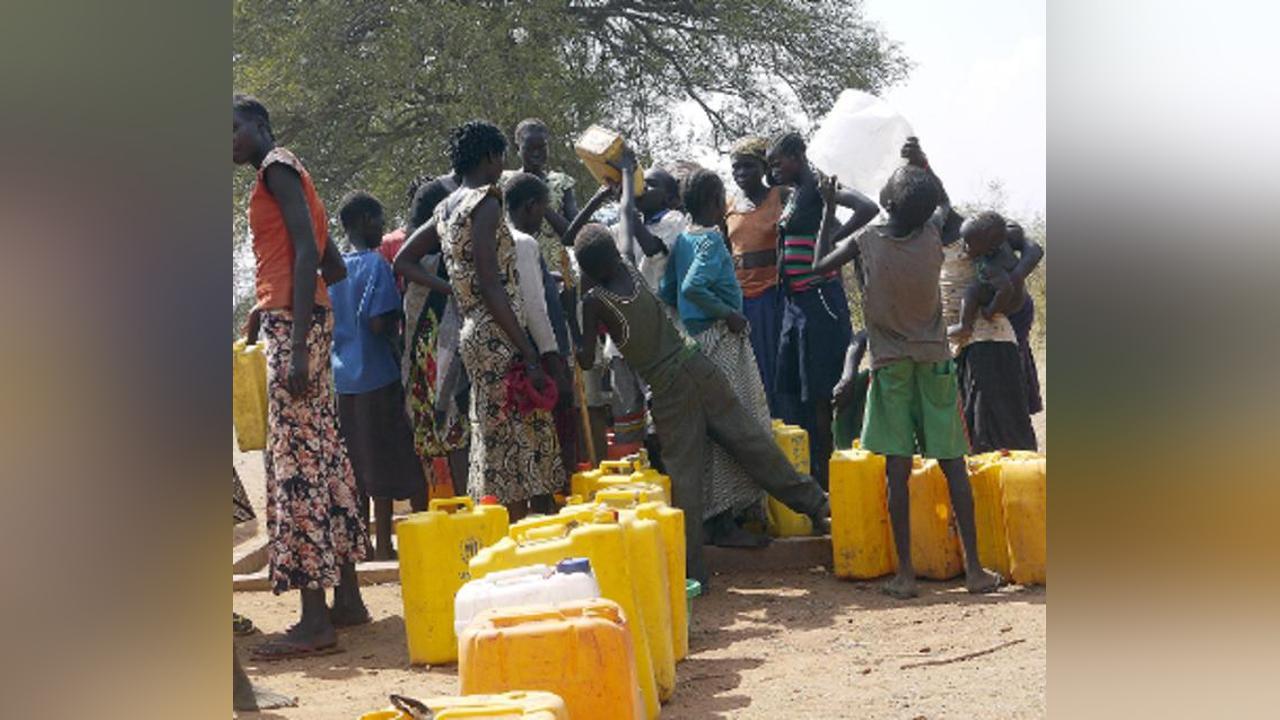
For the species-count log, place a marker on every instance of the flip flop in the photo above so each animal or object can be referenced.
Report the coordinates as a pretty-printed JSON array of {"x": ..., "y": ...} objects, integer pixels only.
[{"x": 283, "y": 649}]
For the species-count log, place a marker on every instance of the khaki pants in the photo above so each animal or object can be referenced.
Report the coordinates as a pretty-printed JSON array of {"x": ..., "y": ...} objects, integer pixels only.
[{"x": 699, "y": 407}]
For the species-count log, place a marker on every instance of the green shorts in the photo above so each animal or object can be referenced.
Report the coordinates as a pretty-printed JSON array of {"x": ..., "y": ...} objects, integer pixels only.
[{"x": 913, "y": 407}]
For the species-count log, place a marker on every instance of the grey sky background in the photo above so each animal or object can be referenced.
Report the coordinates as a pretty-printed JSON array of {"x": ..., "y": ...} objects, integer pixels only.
[{"x": 976, "y": 95}]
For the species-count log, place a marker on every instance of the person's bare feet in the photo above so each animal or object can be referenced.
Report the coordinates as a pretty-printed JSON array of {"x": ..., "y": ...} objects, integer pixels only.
[
  {"x": 902, "y": 587},
  {"x": 982, "y": 581}
]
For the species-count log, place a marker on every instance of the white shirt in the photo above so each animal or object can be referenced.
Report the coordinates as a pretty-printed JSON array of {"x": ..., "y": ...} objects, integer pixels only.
[
  {"x": 958, "y": 271},
  {"x": 529, "y": 278}
]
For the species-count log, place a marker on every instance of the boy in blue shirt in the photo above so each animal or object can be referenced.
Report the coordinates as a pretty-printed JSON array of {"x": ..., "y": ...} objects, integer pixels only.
[{"x": 366, "y": 373}]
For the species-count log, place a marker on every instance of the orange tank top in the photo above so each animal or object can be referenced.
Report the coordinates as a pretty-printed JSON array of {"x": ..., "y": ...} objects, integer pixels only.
[
  {"x": 272, "y": 249},
  {"x": 753, "y": 235}
]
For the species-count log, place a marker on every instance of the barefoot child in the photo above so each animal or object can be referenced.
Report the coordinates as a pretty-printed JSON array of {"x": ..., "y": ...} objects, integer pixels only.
[
  {"x": 314, "y": 523},
  {"x": 912, "y": 404},
  {"x": 993, "y": 290},
  {"x": 366, "y": 373},
  {"x": 693, "y": 404}
]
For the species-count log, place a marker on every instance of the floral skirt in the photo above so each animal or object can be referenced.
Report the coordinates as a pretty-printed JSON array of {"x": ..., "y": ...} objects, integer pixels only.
[
  {"x": 429, "y": 440},
  {"x": 314, "y": 522}
]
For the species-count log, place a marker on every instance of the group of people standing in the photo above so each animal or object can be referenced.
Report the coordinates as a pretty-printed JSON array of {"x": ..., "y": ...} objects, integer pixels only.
[{"x": 450, "y": 342}]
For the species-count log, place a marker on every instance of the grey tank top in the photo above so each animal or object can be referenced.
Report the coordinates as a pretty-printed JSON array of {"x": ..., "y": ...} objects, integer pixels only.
[{"x": 650, "y": 343}]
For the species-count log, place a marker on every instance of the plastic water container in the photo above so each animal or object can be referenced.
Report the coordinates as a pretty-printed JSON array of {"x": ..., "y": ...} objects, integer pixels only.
[
  {"x": 507, "y": 706},
  {"x": 603, "y": 540},
  {"x": 1025, "y": 513},
  {"x": 988, "y": 514},
  {"x": 860, "y": 535},
  {"x": 582, "y": 652},
  {"x": 568, "y": 580},
  {"x": 599, "y": 146},
  {"x": 781, "y": 520},
  {"x": 435, "y": 549},
  {"x": 935, "y": 546},
  {"x": 249, "y": 395},
  {"x": 860, "y": 141}
]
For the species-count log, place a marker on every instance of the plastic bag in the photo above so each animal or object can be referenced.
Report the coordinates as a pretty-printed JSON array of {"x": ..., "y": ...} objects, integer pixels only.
[{"x": 860, "y": 142}]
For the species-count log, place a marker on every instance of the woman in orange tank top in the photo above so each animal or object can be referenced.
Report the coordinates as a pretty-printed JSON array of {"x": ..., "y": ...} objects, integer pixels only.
[
  {"x": 752, "y": 221},
  {"x": 315, "y": 527}
]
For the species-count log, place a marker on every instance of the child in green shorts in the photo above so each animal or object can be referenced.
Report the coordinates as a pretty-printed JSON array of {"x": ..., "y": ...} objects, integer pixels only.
[{"x": 913, "y": 402}]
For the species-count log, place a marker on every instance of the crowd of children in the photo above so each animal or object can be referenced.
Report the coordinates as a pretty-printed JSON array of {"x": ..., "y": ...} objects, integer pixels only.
[{"x": 485, "y": 344}]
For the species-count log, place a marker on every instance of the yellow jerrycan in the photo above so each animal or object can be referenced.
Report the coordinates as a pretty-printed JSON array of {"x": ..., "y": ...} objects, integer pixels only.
[
  {"x": 935, "y": 546},
  {"x": 988, "y": 514},
  {"x": 647, "y": 558},
  {"x": 249, "y": 395},
  {"x": 861, "y": 540},
  {"x": 1025, "y": 517},
  {"x": 781, "y": 520},
  {"x": 647, "y": 476},
  {"x": 603, "y": 541},
  {"x": 581, "y": 651},
  {"x": 597, "y": 147},
  {"x": 648, "y": 504},
  {"x": 435, "y": 548},
  {"x": 520, "y": 705}
]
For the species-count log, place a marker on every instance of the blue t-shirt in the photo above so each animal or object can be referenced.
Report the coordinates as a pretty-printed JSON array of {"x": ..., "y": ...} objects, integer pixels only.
[
  {"x": 363, "y": 361},
  {"x": 700, "y": 280}
]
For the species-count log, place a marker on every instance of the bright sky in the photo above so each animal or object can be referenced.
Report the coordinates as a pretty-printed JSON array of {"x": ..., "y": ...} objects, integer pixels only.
[{"x": 976, "y": 95}]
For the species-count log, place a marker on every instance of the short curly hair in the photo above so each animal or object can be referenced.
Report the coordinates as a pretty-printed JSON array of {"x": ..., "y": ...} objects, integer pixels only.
[
  {"x": 252, "y": 107},
  {"x": 984, "y": 231},
  {"x": 787, "y": 143},
  {"x": 913, "y": 193},
  {"x": 529, "y": 126},
  {"x": 471, "y": 142},
  {"x": 523, "y": 188},
  {"x": 698, "y": 190},
  {"x": 356, "y": 206},
  {"x": 595, "y": 249}
]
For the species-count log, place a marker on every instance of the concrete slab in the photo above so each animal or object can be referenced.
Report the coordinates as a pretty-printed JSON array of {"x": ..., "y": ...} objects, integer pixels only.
[
  {"x": 369, "y": 573},
  {"x": 796, "y": 553}
]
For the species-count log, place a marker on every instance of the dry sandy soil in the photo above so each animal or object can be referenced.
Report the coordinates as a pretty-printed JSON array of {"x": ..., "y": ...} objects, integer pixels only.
[
  {"x": 796, "y": 644},
  {"x": 793, "y": 644}
]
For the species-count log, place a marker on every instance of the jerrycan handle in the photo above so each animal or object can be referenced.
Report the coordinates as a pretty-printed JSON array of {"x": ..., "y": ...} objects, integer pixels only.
[
  {"x": 454, "y": 503},
  {"x": 414, "y": 709},
  {"x": 520, "y": 531}
]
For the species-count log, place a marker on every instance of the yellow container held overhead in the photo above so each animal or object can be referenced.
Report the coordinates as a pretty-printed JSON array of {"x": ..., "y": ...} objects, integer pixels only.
[
  {"x": 599, "y": 146},
  {"x": 249, "y": 395},
  {"x": 647, "y": 558},
  {"x": 648, "y": 504},
  {"x": 603, "y": 541},
  {"x": 935, "y": 546},
  {"x": 521, "y": 705},
  {"x": 435, "y": 549},
  {"x": 581, "y": 651},
  {"x": 988, "y": 517},
  {"x": 861, "y": 540},
  {"x": 1025, "y": 516},
  {"x": 781, "y": 520}
]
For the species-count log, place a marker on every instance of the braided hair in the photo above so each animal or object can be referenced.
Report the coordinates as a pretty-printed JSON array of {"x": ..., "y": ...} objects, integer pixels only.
[
  {"x": 472, "y": 142},
  {"x": 700, "y": 187}
]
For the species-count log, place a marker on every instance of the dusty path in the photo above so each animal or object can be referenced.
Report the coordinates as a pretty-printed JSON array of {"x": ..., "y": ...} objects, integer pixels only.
[{"x": 794, "y": 644}]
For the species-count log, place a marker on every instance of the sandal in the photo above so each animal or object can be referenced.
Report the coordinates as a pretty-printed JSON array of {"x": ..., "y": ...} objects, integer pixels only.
[
  {"x": 241, "y": 625},
  {"x": 285, "y": 649}
]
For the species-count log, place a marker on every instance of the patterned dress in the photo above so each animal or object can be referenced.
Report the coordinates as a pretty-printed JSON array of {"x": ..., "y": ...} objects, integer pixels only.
[
  {"x": 313, "y": 519},
  {"x": 434, "y": 436},
  {"x": 513, "y": 457}
]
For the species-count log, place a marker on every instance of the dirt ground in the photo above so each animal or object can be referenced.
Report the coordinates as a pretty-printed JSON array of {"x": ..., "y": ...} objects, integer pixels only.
[
  {"x": 793, "y": 644},
  {"x": 762, "y": 645}
]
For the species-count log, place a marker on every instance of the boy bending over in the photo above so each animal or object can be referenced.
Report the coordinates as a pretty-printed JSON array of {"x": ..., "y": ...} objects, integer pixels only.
[
  {"x": 913, "y": 401},
  {"x": 693, "y": 404}
]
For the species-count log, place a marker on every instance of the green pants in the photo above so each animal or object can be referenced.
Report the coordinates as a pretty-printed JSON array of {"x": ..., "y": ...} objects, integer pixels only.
[
  {"x": 915, "y": 407},
  {"x": 697, "y": 408}
]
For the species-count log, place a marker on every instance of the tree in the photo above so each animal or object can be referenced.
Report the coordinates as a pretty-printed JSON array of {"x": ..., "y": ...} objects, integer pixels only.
[{"x": 366, "y": 90}]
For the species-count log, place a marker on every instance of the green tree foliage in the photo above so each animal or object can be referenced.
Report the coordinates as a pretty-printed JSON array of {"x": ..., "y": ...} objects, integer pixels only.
[{"x": 366, "y": 90}]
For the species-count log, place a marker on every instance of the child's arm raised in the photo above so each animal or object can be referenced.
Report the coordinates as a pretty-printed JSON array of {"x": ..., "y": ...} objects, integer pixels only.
[
  {"x": 584, "y": 216},
  {"x": 649, "y": 244},
  {"x": 1029, "y": 251},
  {"x": 864, "y": 209},
  {"x": 825, "y": 258},
  {"x": 423, "y": 241}
]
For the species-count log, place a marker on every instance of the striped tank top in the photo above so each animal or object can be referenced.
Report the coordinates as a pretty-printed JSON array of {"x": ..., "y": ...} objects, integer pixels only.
[{"x": 798, "y": 228}]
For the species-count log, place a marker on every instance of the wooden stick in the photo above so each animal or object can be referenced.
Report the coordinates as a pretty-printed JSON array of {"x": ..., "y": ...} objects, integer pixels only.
[
  {"x": 966, "y": 656},
  {"x": 579, "y": 382}
]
